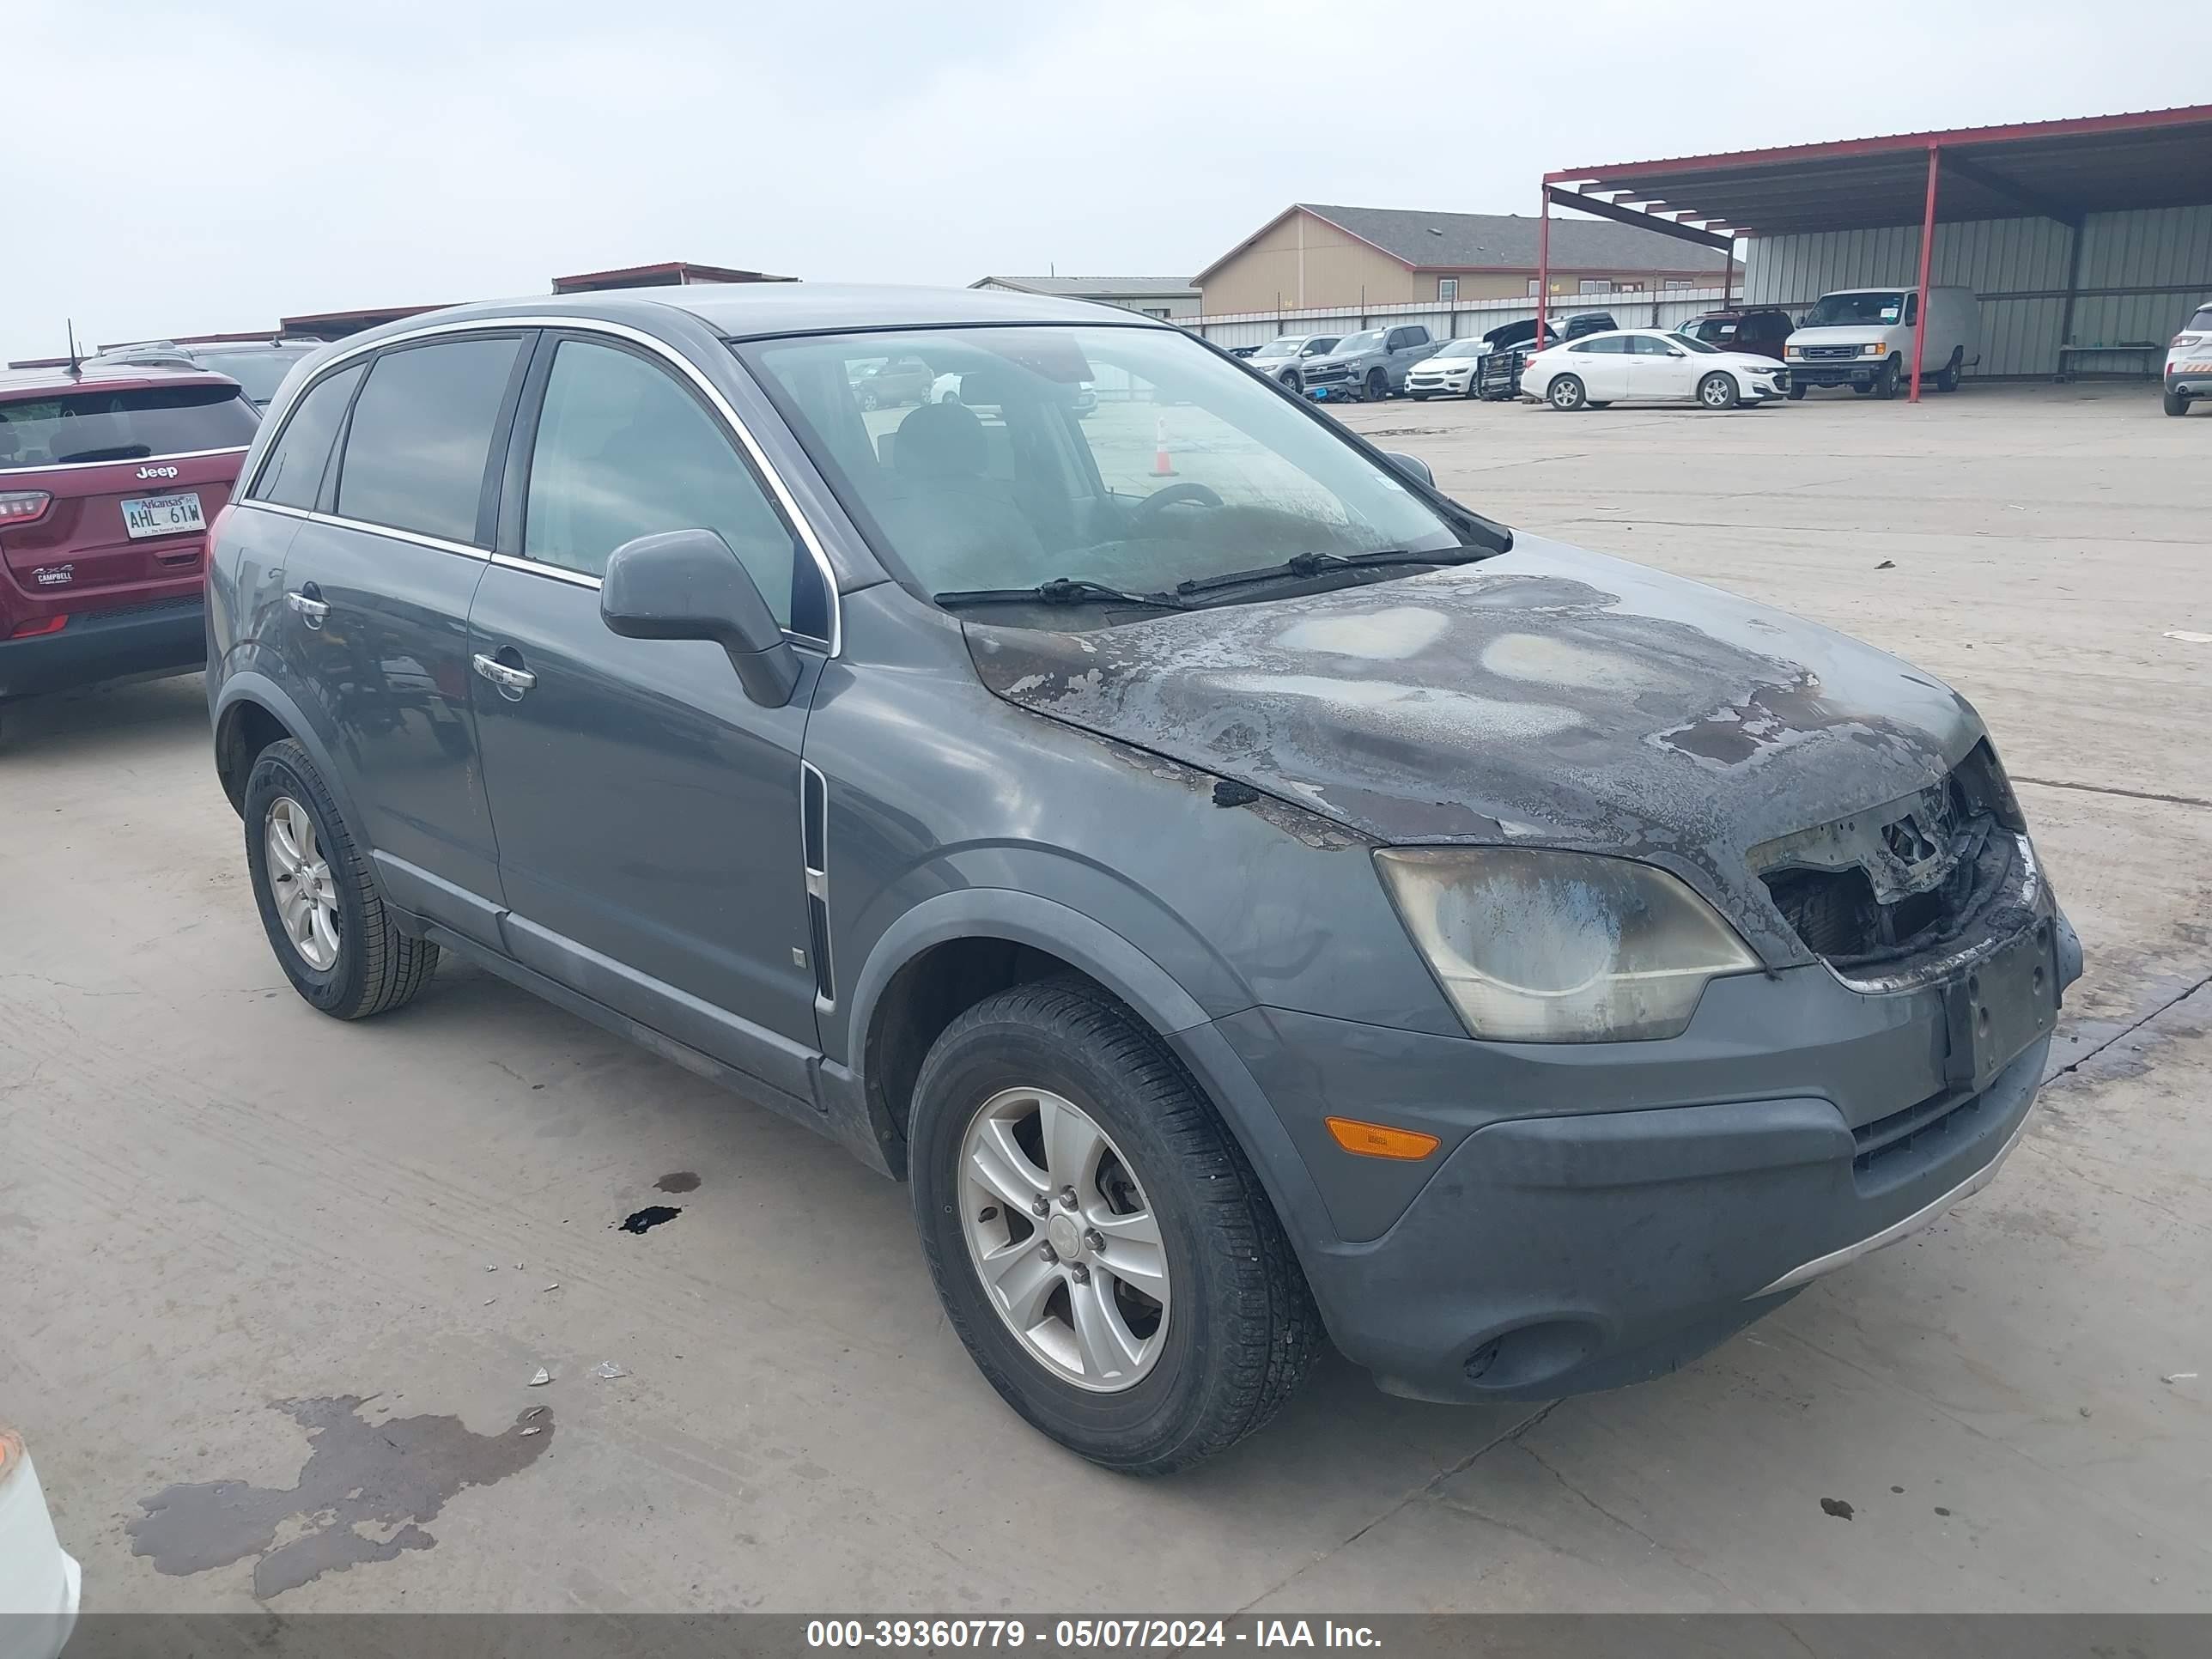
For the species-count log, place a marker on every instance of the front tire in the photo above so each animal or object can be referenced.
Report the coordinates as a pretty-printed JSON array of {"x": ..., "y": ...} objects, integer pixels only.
[
  {"x": 1719, "y": 390},
  {"x": 1566, "y": 393},
  {"x": 1378, "y": 386},
  {"x": 319, "y": 906},
  {"x": 1886, "y": 383},
  {"x": 1052, "y": 1090},
  {"x": 1796, "y": 392}
]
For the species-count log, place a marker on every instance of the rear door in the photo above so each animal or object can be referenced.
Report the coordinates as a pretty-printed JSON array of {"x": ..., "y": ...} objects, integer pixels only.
[
  {"x": 110, "y": 490},
  {"x": 648, "y": 810},
  {"x": 1602, "y": 363},
  {"x": 377, "y": 587}
]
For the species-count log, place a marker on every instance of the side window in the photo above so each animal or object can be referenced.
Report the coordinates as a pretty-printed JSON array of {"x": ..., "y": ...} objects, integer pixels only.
[
  {"x": 1610, "y": 345},
  {"x": 624, "y": 451},
  {"x": 422, "y": 428},
  {"x": 1911, "y": 308},
  {"x": 293, "y": 474},
  {"x": 1650, "y": 345}
]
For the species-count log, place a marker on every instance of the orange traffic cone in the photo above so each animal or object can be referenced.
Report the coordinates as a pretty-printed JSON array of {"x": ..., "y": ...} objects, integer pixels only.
[{"x": 1161, "y": 467}]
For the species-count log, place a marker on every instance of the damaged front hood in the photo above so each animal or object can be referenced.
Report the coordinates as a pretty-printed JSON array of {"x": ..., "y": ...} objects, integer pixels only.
[{"x": 1548, "y": 695}]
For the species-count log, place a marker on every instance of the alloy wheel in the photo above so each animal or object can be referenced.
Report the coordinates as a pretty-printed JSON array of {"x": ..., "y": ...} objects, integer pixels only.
[
  {"x": 300, "y": 882},
  {"x": 1063, "y": 1240}
]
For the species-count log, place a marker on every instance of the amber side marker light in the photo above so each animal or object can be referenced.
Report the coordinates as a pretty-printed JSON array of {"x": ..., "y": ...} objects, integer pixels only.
[{"x": 1379, "y": 1140}]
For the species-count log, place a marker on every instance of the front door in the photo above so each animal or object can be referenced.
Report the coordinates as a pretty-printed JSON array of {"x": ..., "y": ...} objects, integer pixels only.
[
  {"x": 377, "y": 593},
  {"x": 648, "y": 811},
  {"x": 1659, "y": 368}
]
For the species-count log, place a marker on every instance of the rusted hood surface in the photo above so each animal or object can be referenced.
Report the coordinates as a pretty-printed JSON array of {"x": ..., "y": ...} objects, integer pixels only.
[{"x": 1549, "y": 695}]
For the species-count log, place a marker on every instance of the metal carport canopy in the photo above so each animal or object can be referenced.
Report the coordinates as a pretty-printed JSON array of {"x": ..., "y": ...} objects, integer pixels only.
[
  {"x": 2050, "y": 169},
  {"x": 2060, "y": 170}
]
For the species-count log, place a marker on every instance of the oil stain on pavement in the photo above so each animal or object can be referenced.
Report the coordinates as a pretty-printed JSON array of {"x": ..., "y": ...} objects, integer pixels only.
[{"x": 363, "y": 1493}]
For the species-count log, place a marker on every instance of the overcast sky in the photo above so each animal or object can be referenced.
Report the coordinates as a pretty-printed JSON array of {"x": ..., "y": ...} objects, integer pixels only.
[{"x": 174, "y": 171}]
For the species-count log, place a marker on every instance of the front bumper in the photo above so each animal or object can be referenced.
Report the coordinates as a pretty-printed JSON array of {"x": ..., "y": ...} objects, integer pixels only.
[
  {"x": 142, "y": 642},
  {"x": 1845, "y": 371},
  {"x": 1331, "y": 386},
  {"x": 1616, "y": 1210},
  {"x": 1418, "y": 384}
]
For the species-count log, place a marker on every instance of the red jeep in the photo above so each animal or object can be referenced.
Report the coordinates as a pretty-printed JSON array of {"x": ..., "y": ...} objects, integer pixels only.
[{"x": 109, "y": 478}]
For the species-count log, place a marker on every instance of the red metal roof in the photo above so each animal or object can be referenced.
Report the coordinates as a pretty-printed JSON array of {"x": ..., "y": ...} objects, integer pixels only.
[
  {"x": 339, "y": 323},
  {"x": 2057, "y": 169}
]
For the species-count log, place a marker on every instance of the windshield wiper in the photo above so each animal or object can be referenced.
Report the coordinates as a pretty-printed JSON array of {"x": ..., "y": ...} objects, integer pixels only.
[
  {"x": 1302, "y": 565},
  {"x": 1060, "y": 590}
]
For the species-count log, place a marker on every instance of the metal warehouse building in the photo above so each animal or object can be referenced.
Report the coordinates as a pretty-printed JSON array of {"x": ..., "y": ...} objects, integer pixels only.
[{"x": 2088, "y": 242}]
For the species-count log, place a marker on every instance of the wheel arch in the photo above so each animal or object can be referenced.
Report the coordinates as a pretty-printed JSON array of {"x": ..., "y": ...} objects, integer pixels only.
[
  {"x": 250, "y": 712},
  {"x": 950, "y": 952},
  {"x": 947, "y": 953}
]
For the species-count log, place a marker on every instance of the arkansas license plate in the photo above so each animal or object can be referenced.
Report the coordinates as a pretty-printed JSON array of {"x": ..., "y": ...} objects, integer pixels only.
[{"x": 162, "y": 516}]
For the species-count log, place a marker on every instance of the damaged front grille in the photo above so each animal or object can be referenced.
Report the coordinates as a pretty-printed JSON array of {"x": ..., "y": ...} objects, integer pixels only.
[{"x": 1904, "y": 879}]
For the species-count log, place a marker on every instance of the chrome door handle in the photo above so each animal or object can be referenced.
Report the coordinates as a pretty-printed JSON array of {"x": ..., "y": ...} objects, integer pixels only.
[
  {"x": 312, "y": 611},
  {"x": 512, "y": 681}
]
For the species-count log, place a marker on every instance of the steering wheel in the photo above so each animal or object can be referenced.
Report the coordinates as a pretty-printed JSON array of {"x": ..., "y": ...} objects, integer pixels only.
[{"x": 1197, "y": 495}]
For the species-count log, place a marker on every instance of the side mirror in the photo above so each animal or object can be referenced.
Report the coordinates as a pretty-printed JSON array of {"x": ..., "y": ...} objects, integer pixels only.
[
  {"x": 1412, "y": 466},
  {"x": 687, "y": 585}
]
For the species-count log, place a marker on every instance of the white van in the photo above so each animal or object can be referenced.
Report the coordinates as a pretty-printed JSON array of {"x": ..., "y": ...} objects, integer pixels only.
[{"x": 1861, "y": 337}]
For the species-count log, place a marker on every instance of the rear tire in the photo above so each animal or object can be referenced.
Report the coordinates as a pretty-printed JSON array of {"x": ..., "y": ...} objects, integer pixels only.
[
  {"x": 1234, "y": 1330},
  {"x": 1566, "y": 393},
  {"x": 373, "y": 967},
  {"x": 1946, "y": 378},
  {"x": 2176, "y": 404},
  {"x": 1719, "y": 390}
]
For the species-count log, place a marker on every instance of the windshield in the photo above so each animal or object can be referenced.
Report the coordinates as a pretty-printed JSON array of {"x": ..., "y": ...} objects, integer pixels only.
[
  {"x": 1371, "y": 341},
  {"x": 1847, "y": 310},
  {"x": 1188, "y": 467},
  {"x": 122, "y": 424},
  {"x": 1286, "y": 347},
  {"x": 260, "y": 372},
  {"x": 1462, "y": 348},
  {"x": 1319, "y": 344},
  {"x": 1696, "y": 344}
]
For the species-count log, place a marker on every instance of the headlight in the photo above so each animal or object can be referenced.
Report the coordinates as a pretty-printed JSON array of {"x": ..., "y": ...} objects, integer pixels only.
[
  {"x": 1874, "y": 350},
  {"x": 1535, "y": 947},
  {"x": 1793, "y": 351}
]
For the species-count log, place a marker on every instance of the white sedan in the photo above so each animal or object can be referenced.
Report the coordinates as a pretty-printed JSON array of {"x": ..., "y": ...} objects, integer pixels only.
[{"x": 1650, "y": 364}]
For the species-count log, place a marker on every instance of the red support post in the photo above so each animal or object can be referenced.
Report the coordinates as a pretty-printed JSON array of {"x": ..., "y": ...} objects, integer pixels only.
[
  {"x": 1927, "y": 252},
  {"x": 1543, "y": 265}
]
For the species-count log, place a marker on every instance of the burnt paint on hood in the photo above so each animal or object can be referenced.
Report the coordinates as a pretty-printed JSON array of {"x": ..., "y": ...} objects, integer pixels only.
[{"x": 1547, "y": 695}]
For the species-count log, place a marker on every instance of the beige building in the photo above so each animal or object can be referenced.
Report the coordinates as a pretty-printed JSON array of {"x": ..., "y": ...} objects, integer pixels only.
[{"x": 1311, "y": 257}]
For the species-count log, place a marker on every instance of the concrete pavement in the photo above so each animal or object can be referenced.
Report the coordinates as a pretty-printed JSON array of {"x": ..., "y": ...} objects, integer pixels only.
[{"x": 227, "y": 1224}]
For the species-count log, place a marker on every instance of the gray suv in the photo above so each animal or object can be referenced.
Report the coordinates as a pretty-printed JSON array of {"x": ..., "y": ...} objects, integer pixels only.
[
  {"x": 1370, "y": 365},
  {"x": 1253, "y": 898}
]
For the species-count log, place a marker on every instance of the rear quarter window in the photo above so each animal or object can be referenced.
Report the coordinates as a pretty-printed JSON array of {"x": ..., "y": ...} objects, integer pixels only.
[
  {"x": 293, "y": 474},
  {"x": 132, "y": 423}
]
